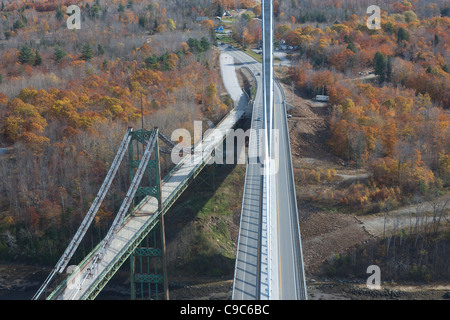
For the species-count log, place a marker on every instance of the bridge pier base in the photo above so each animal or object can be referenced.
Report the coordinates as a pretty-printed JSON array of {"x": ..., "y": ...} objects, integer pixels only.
[{"x": 148, "y": 279}]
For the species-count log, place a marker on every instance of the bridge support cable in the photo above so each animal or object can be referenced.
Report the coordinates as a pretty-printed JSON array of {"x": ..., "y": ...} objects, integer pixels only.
[
  {"x": 76, "y": 240},
  {"x": 117, "y": 223},
  {"x": 166, "y": 139},
  {"x": 45, "y": 284}
]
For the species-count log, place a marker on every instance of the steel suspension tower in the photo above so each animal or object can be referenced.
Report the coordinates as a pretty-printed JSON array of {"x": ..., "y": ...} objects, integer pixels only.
[{"x": 148, "y": 269}]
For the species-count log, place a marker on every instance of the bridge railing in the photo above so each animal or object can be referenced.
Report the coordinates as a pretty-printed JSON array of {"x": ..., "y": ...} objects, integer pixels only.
[{"x": 298, "y": 244}]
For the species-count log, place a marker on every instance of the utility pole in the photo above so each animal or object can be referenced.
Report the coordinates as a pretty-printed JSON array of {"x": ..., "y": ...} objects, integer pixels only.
[
  {"x": 292, "y": 93},
  {"x": 142, "y": 113}
]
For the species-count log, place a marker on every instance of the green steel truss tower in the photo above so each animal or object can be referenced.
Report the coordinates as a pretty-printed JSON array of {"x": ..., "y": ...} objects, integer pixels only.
[{"x": 148, "y": 270}]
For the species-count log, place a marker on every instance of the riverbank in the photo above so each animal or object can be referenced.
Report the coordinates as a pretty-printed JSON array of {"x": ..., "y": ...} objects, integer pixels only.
[{"x": 20, "y": 282}]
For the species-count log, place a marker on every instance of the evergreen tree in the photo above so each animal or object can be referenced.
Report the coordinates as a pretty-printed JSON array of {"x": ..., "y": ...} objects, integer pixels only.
[
  {"x": 436, "y": 40},
  {"x": 37, "y": 59},
  {"x": 59, "y": 14},
  {"x": 59, "y": 54},
  {"x": 95, "y": 10},
  {"x": 142, "y": 21},
  {"x": 194, "y": 44},
  {"x": 389, "y": 28},
  {"x": 26, "y": 55},
  {"x": 86, "y": 52},
  {"x": 389, "y": 68},
  {"x": 121, "y": 8},
  {"x": 18, "y": 25},
  {"x": 152, "y": 62},
  {"x": 100, "y": 50},
  {"x": 204, "y": 44},
  {"x": 402, "y": 34},
  {"x": 347, "y": 39},
  {"x": 351, "y": 47},
  {"x": 445, "y": 12},
  {"x": 219, "y": 11},
  {"x": 379, "y": 63}
]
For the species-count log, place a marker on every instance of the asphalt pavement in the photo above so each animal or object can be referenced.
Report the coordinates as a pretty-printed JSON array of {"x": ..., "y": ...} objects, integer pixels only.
[{"x": 284, "y": 250}]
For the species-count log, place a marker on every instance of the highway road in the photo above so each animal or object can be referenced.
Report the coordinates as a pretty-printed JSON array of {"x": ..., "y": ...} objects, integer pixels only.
[
  {"x": 247, "y": 279},
  {"x": 286, "y": 270},
  {"x": 291, "y": 272}
]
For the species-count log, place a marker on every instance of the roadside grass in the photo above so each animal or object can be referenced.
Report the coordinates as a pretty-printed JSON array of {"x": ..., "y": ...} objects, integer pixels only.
[
  {"x": 228, "y": 19},
  {"x": 207, "y": 219},
  {"x": 230, "y": 41}
]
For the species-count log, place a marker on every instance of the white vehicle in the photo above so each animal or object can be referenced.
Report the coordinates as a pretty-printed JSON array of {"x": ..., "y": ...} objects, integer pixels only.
[{"x": 322, "y": 98}]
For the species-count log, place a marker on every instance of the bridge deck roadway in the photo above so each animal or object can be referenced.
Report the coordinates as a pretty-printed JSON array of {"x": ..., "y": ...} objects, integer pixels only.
[
  {"x": 286, "y": 262},
  {"x": 248, "y": 256}
]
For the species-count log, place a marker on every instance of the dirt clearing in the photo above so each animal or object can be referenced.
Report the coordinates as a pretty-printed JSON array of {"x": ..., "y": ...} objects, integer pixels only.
[{"x": 327, "y": 231}]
